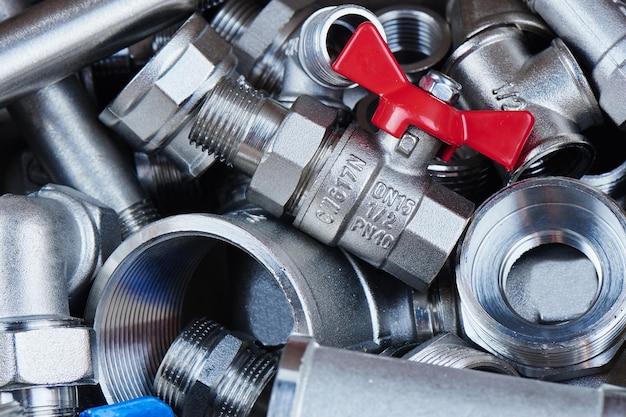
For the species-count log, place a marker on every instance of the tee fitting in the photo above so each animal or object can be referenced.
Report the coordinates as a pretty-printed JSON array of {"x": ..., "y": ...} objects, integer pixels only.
[
  {"x": 499, "y": 69},
  {"x": 600, "y": 46}
]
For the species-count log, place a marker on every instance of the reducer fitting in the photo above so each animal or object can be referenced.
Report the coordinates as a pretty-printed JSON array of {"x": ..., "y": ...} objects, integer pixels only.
[
  {"x": 370, "y": 195},
  {"x": 541, "y": 277},
  {"x": 600, "y": 46},
  {"x": 499, "y": 70}
]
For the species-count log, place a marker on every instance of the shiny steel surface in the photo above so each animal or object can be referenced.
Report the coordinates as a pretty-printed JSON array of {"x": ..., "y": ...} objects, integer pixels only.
[
  {"x": 418, "y": 37},
  {"x": 498, "y": 70},
  {"x": 64, "y": 36},
  {"x": 597, "y": 35},
  {"x": 369, "y": 194},
  {"x": 315, "y": 380},
  {"x": 155, "y": 111},
  {"x": 280, "y": 281},
  {"x": 568, "y": 318}
]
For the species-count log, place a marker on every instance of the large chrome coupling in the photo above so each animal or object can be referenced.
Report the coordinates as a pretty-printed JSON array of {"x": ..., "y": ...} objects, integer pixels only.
[{"x": 541, "y": 275}]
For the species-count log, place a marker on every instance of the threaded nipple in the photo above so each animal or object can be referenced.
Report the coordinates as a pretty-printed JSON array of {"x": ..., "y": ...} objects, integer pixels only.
[
  {"x": 48, "y": 402},
  {"x": 235, "y": 17},
  {"x": 232, "y": 115},
  {"x": 12, "y": 409},
  {"x": 207, "y": 359},
  {"x": 137, "y": 216}
]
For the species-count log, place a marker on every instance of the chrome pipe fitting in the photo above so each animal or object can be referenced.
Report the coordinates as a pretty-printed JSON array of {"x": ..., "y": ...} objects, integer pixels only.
[
  {"x": 418, "y": 37},
  {"x": 322, "y": 37},
  {"x": 61, "y": 126},
  {"x": 314, "y": 47},
  {"x": 451, "y": 351},
  {"x": 601, "y": 46},
  {"x": 155, "y": 110},
  {"x": 51, "y": 40},
  {"x": 314, "y": 380},
  {"x": 498, "y": 70},
  {"x": 208, "y": 370},
  {"x": 249, "y": 272},
  {"x": 369, "y": 194},
  {"x": 63, "y": 238},
  {"x": 260, "y": 42},
  {"x": 471, "y": 17},
  {"x": 541, "y": 277}
]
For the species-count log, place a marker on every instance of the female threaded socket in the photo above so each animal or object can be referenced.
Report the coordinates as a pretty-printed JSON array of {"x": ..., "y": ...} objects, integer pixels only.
[
  {"x": 234, "y": 371},
  {"x": 236, "y": 123}
]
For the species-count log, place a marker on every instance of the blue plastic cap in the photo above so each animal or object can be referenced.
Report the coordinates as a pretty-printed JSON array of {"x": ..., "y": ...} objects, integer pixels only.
[{"x": 140, "y": 407}]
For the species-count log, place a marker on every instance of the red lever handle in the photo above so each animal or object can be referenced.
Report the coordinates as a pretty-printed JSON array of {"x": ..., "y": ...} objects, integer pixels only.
[{"x": 367, "y": 60}]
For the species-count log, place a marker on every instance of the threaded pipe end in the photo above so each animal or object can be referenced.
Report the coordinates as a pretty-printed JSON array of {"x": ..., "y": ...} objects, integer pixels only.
[
  {"x": 204, "y": 5},
  {"x": 183, "y": 363},
  {"x": 322, "y": 37},
  {"x": 12, "y": 409},
  {"x": 137, "y": 216},
  {"x": 235, "y": 17},
  {"x": 48, "y": 402},
  {"x": 450, "y": 351},
  {"x": 417, "y": 36},
  {"x": 235, "y": 372},
  {"x": 233, "y": 115}
]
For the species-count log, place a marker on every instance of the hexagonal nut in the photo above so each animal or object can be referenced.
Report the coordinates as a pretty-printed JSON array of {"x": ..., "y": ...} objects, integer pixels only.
[
  {"x": 441, "y": 86},
  {"x": 293, "y": 148},
  {"x": 167, "y": 90},
  {"x": 429, "y": 237},
  {"x": 46, "y": 356},
  {"x": 264, "y": 30},
  {"x": 199, "y": 398}
]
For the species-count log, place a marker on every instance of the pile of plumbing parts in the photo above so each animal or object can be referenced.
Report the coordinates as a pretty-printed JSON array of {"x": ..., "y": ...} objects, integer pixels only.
[{"x": 299, "y": 208}]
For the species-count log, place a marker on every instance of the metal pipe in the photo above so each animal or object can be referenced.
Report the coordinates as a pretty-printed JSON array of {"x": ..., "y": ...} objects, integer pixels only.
[
  {"x": 53, "y": 39},
  {"x": 61, "y": 126},
  {"x": 314, "y": 380}
]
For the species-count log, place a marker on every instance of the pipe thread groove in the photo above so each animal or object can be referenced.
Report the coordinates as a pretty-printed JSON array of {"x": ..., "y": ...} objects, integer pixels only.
[
  {"x": 233, "y": 114},
  {"x": 137, "y": 216},
  {"x": 237, "y": 387},
  {"x": 235, "y": 17}
]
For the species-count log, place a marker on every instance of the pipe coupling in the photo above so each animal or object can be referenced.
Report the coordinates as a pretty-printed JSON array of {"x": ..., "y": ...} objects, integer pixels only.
[
  {"x": 541, "y": 277},
  {"x": 251, "y": 273}
]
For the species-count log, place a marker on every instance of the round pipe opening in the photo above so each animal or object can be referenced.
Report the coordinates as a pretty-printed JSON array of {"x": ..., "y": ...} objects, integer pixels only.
[
  {"x": 418, "y": 37},
  {"x": 511, "y": 297}
]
